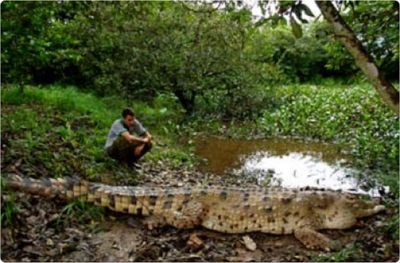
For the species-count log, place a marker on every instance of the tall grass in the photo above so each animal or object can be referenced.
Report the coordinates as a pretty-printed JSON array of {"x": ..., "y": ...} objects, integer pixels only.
[
  {"x": 163, "y": 110},
  {"x": 65, "y": 99}
]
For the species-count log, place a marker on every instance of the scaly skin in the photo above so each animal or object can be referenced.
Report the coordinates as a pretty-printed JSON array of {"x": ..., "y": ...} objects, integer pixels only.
[{"x": 224, "y": 209}]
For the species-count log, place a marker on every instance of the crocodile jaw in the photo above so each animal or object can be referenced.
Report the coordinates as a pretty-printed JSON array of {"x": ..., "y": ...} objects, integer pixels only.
[
  {"x": 360, "y": 213},
  {"x": 377, "y": 209}
]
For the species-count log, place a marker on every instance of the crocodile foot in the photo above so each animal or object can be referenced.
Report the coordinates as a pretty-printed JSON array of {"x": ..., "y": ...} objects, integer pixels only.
[
  {"x": 153, "y": 222},
  {"x": 315, "y": 240}
]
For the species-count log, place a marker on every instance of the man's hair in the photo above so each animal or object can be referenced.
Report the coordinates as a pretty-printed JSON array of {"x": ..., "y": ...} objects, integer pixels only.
[{"x": 127, "y": 112}]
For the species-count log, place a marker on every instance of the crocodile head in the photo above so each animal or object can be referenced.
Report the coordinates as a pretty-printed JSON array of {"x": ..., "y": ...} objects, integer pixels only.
[
  {"x": 360, "y": 207},
  {"x": 344, "y": 210}
]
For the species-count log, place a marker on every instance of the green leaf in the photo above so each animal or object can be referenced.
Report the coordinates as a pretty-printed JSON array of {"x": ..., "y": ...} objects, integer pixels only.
[{"x": 296, "y": 28}]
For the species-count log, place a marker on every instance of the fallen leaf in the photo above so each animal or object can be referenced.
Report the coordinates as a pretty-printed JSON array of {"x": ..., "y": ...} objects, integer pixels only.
[
  {"x": 249, "y": 243},
  {"x": 246, "y": 256},
  {"x": 194, "y": 242},
  {"x": 32, "y": 220},
  {"x": 115, "y": 245},
  {"x": 50, "y": 242}
]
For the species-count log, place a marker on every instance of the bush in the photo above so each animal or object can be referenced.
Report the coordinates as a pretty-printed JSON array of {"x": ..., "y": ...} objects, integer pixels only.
[{"x": 362, "y": 122}]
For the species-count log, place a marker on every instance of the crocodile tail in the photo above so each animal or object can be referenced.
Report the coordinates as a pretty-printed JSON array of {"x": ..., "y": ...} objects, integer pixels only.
[{"x": 47, "y": 187}]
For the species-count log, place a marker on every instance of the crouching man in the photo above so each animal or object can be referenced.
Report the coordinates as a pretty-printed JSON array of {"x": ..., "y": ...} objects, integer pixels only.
[{"x": 128, "y": 140}]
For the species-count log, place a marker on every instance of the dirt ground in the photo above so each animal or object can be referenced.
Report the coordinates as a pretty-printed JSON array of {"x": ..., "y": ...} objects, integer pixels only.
[{"x": 37, "y": 235}]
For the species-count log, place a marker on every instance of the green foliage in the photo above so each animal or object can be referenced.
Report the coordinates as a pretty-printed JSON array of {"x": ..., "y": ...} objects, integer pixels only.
[
  {"x": 68, "y": 138},
  {"x": 337, "y": 60},
  {"x": 15, "y": 96},
  {"x": 9, "y": 206},
  {"x": 362, "y": 125},
  {"x": 176, "y": 157},
  {"x": 391, "y": 179},
  {"x": 315, "y": 55},
  {"x": 186, "y": 69},
  {"x": 392, "y": 227},
  {"x": 40, "y": 135},
  {"x": 349, "y": 253},
  {"x": 376, "y": 25},
  {"x": 81, "y": 212},
  {"x": 214, "y": 60},
  {"x": 362, "y": 122},
  {"x": 35, "y": 45}
]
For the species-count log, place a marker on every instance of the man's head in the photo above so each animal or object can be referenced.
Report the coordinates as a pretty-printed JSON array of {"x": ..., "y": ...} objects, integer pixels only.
[{"x": 128, "y": 117}]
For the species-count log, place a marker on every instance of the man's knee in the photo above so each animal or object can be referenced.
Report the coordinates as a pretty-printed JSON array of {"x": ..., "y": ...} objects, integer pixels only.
[
  {"x": 138, "y": 150},
  {"x": 146, "y": 147},
  {"x": 142, "y": 149}
]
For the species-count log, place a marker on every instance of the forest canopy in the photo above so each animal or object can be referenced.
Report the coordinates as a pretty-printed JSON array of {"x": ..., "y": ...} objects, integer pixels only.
[{"x": 211, "y": 59}]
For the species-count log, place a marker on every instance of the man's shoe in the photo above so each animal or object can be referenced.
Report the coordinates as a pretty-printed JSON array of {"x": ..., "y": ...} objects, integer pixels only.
[{"x": 136, "y": 166}]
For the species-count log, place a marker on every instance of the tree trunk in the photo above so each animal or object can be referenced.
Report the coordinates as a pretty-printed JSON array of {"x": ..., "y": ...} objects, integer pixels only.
[
  {"x": 187, "y": 103},
  {"x": 363, "y": 60}
]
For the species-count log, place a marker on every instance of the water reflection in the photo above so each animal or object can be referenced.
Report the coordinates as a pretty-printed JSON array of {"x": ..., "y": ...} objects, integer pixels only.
[
  {"x": 282, "y": 162},
  {"x": 298, "y": 169}
]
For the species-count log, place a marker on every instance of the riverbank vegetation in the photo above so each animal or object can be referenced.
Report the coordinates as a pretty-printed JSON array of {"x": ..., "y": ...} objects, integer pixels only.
[
  {"x": 189, "y": 71},
  {"x": 362, "y": 125},
  {"x": 59, "y": 131}
]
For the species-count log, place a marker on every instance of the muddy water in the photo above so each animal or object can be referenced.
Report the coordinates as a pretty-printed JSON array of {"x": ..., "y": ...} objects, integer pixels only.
[{"x": 282, "y": 162}]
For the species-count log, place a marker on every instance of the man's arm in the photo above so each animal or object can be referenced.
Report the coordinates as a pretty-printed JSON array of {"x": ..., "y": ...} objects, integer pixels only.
[
  {"x": 133, "y": 139},
  {"x": 147, "y": 136},
  {"x": 144, "y": 134}
]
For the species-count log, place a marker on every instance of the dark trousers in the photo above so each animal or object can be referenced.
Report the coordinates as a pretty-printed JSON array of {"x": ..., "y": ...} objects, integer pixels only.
[{"x": 123, "y": 151}]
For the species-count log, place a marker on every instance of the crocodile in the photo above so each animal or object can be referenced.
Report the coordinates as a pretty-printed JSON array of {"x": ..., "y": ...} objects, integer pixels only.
[{"x": 302, "y": 212}]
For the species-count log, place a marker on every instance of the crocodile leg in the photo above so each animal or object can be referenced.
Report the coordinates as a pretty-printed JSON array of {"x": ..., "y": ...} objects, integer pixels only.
[
  {"x": 314, "y": 240},
  {"x": 154, "y": 221}
]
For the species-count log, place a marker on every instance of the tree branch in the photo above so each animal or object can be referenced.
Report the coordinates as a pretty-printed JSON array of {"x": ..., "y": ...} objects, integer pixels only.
[{"x": 362, "y": 58}]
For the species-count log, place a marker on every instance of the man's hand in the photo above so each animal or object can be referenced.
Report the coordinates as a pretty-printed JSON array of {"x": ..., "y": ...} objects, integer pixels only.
[
  {"x": 147, "y": 137},
  {"x": 137, "y": 140}
]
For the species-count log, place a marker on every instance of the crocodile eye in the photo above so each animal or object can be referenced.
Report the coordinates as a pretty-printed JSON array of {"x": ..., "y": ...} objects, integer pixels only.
[
  {"x": 351, "y": 198},
  {"x": 321, "y": 206}
]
